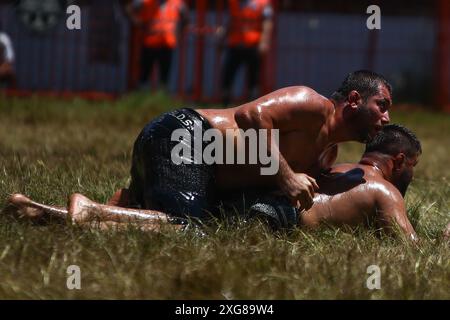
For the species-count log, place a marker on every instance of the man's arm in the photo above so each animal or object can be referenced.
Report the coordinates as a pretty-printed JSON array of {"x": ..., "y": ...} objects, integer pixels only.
[
  {"x": 391, "y": 211},
  {"x": 184, "y": 19},
  {"x": 267, "y": 26},
  {"x": 288, "y": 109}
]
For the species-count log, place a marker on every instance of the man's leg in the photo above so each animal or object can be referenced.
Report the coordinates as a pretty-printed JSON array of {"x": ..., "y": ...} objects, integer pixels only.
[
  {"x": 165, "y": 62},
  {"x": 147, "y": 60},
  {"x": 253, "y": 61},
  {"x": 7, "y": 76},
  {"x": 153, "y": 227},
  {"x": 33, "y": 210},
  {"x": 80, "y": 209},
  {"x": 229, "y": 70}
]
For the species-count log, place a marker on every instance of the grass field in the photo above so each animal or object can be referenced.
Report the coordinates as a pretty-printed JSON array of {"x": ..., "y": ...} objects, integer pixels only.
[{"x": 50, "y": 149}]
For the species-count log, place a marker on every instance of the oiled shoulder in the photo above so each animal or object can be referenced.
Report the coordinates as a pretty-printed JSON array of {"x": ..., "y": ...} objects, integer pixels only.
[
  {"x": 304, "y": 99},
  {"x": 296, "y": 107},
  {"x": 366, "y": 196},
  {"x": 384, "y": 192}
]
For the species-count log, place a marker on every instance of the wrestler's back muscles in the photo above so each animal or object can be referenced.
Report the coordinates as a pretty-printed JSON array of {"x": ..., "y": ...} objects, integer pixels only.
[
  {"x": 347, "y": 195},
  {"x": 375, "y": 202},
  {"x": 353, "y": 207}
]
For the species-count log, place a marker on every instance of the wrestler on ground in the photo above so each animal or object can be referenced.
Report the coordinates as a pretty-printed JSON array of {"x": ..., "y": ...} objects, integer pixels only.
[
  {"x": 368, "y": 193},
  {"x": 309, "y": 127},
  {"x": 372, "y": 190}
]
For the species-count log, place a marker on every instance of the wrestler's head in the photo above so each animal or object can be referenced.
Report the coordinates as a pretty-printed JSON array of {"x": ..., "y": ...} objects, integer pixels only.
[
  {"x": 402, "y": 149},
  {"x": 365, "y": 97}
]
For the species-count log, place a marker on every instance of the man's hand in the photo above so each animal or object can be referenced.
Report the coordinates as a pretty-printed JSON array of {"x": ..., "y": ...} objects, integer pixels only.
[
  {"x": 300, "y": 187},
  {"x": 263, "y": 47},
  {"x": 6, "y": 71},
  {"x": 220, "y": 35}
]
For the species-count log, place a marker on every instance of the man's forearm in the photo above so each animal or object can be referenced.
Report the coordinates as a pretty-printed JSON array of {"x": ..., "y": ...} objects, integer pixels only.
[
  {"x": 258, "y": 121},
  {"x": 394, "y": 221},
  {"x": 266, "y": 33}
]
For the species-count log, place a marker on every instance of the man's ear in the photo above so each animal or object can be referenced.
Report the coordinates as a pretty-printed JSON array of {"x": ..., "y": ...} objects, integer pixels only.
[
  {"x": 354, "y": 99},
  {"x": 399, "y": 161}
]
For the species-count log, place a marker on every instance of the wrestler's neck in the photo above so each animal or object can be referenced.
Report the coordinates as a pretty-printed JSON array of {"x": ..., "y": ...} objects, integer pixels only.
[
  {"x": 338, "y": 128},
  {"x": 380, "y": 162}
]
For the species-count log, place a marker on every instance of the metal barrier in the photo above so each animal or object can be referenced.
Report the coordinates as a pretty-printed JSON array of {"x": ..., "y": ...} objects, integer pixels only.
[
  {"x": 311, "y": 48},
  {"x": 59, "y": 60}
]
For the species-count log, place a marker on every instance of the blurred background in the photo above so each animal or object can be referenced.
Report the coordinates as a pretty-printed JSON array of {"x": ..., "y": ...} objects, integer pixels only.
[{"x": 196, "y": 58}]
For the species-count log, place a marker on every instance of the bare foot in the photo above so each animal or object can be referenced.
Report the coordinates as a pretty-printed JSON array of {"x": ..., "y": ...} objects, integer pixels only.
[
  {"x": 24, "y": 206},
  {"x": 81, "y": 209},
  {"x": 19, "y": 200}
]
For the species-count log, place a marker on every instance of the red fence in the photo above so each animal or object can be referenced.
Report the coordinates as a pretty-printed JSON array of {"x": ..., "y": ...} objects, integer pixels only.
[{"x": 311, "y": 45}]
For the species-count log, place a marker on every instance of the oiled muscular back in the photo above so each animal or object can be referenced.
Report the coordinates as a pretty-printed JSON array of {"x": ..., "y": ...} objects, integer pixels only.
[
  {"x": 348, "y": 197},
  {"x": 301, "y": 116}
]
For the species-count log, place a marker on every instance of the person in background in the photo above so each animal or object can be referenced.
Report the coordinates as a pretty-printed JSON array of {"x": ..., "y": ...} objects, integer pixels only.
[
  {"x": 161, "y": 22},
  {"x": 247, "y": 39},
  {"x": 7, "y": 72}
]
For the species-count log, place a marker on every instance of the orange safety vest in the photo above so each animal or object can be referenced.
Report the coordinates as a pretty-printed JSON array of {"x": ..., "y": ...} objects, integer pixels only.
[
  {"x": 160, "y": 23},
  {"x": 246, "y": 23}
]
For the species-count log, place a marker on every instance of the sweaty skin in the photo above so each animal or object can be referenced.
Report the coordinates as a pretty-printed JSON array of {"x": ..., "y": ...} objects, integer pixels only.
[
  {"x": 350, "y": 194},
  {"x": 85, "y": 212},
  {"x": 310, "y": 126},
  {"x": 359, "y": 194},
  {"x": 298, "y": 112}
]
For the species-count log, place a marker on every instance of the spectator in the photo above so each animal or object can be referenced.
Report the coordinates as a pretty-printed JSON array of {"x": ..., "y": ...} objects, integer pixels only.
[
  {"x": 247, "y": 40},
  {"x": 7, "y": 73},
  {"x": 161, "y": 22}
]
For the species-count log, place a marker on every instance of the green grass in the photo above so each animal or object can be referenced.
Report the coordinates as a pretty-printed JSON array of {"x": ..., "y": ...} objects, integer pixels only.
[{"x": 51, "y": 148}]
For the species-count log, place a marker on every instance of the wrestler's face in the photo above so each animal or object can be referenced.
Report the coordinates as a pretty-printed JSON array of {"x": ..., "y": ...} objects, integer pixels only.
[
  {"x": 371, "y": 114},
  {"x": 403, "y": 175}
]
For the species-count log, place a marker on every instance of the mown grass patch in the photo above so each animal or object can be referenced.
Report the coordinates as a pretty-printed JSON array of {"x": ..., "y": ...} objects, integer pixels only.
[{"x": 51, "y": 148}]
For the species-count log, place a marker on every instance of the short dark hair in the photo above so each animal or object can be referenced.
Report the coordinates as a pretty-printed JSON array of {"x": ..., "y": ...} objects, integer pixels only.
[
  {"x": 393, "y": 139},
  {"x": 364, "y": 81}
]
